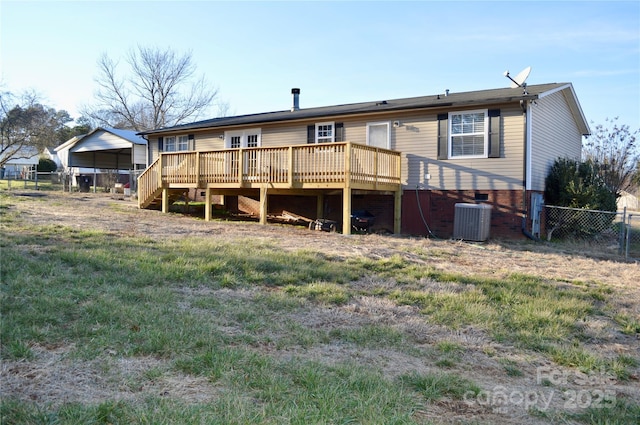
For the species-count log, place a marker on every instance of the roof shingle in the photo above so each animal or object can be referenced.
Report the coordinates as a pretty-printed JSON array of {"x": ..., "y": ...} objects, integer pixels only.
[{"x": 492, "y": 96}]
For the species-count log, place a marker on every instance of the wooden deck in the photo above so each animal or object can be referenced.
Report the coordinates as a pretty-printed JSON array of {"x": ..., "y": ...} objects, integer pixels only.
[{"x": 346, "y": 166}]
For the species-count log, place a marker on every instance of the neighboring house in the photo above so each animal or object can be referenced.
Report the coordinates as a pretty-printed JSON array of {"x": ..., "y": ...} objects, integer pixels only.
[
  {"x": 629, "y": 201},
  {"x": 50, "y": 153},
  {"x": 22, "y": 164},
  {"x": 87, "y": 157},
  {"x": 407, "y": 161}
]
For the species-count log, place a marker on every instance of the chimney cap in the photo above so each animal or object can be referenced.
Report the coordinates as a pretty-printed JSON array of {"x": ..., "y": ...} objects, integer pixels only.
[{"x": 295, "y": 91}]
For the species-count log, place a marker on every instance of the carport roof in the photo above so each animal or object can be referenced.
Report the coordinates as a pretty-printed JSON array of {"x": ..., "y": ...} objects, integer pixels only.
[{"x": 129, "y": 135}]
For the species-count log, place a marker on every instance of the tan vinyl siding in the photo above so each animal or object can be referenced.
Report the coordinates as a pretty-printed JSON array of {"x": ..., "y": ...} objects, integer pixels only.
[
  {"x": 209, "y": 141},
  {"x": 554, "y": 134},
  {"x": 204, "y": 141},
  {"x": 416, "y": 138},
  {"x": 153, "y": 149},
  {"x": 296, "y": 133},
  {"x": 284, "y": 135}
]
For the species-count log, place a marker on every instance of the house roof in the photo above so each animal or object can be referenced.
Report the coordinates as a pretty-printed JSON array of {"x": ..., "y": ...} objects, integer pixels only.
[
  {"x": 68, "y": 143},
  {"x": 128, "y": 135},
  {"x": 26, "y": 155},
  {"x": 450, "y": 100}
]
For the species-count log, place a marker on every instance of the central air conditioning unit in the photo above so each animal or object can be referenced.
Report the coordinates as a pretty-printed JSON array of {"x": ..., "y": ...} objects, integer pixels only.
[{"x": 472, "y": 222}]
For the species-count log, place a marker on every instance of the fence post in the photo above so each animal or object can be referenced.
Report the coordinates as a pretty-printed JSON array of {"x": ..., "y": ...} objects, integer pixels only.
[
  {"x": 623, "y": 231},
  {"x": 628, "y": 237}
]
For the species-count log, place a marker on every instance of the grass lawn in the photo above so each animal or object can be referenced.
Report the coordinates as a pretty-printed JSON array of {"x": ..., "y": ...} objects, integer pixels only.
[
  {"x": 44, "y": 184},
  {"x": 121, "y": 327}
]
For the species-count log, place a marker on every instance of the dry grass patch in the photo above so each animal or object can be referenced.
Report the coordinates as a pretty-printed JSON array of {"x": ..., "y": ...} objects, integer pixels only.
[{"x": 114, "y": 314}]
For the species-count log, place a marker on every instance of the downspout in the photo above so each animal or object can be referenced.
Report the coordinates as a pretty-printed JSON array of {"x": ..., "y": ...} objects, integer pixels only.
[
  {"x": 526, "y": 113},
  {"x": 144, "y": 136}
]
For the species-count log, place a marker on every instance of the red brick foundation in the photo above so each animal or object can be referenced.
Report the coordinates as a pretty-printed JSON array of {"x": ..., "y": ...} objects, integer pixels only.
[
  {"x": 437, "y": 209},
  {"x": 423, "y": 211}
]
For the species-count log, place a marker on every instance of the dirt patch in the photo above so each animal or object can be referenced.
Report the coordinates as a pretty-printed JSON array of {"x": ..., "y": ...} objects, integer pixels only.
[{"x": 52, "y": 379}]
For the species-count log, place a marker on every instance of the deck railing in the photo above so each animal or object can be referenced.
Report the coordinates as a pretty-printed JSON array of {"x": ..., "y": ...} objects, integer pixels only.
[
  {"x": 149, "y": 182},
  {"x": 323, "y": 165}
]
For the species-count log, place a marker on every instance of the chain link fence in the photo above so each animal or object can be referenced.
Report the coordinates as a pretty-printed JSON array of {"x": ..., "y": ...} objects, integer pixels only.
[
  {"x": 33, "y": 180},
  {"x": 632, "y": 238},
  {"x": 616, "y": 233},
  {"x": 66, "y": 182}
]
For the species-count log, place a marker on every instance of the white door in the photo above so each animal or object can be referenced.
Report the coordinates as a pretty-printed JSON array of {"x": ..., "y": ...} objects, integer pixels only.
[{"x": 378, "y": 135}]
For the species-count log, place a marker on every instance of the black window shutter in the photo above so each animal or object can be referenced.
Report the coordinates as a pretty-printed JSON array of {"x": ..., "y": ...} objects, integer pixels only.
[
  {"x": 311, "y": 133},
  {"x": 339, "y": 132},
  {"x": 494, "y": 133},
  {"x": 192, "y": 142},
  {"x": 443, "y": 137},
  {"x": 160, "y": 144}
]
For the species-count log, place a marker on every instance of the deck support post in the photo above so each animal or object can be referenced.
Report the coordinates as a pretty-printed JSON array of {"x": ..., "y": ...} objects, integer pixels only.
[
  {"x": 207, "y": 205},
  {"x": 346, "y": 211},
  {"x": 320, "y": 206},
  {"x": 263, "y": 205},
  {"x": 397, "y": 212},
  {"x": 165, "y": 200},
  {"x": 346, "y": 192}
]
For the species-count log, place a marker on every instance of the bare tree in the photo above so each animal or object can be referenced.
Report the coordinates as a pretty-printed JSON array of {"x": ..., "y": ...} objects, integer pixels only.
[
  {"x": 27, "y": 127},
  {"x": 161, "y": 90},
  {"x": 612, "y": 148}
]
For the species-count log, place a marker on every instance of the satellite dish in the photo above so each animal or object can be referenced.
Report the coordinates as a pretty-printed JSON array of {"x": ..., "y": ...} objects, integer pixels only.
[{"x": 519, "y": 80}]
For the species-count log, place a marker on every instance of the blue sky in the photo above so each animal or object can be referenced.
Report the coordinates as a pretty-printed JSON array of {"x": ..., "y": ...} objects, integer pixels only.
[{"x": 335, "y": 52}]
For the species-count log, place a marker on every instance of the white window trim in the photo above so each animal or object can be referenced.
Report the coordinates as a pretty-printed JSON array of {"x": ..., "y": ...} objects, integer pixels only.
[
  {"x": 243, "y": 137},
  {"x": 486, "y": 134},
  {"x": 176, "y": 143},
  {"x": 387, "y": 123},
  {"x": 333, "y": 132}
]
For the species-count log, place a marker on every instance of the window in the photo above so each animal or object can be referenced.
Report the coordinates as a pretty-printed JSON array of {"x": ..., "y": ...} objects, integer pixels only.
[
  {"x": 378, "y": 135},
  {"x": 468, "y": 134},
  {"x": 177, "y": 143},
  {"x": 183, "y": 143},
  {"x": 324, "y": 132},
  {"x": 170, "y": 144},
  {"x": 252, "y": 141}
]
